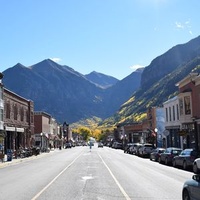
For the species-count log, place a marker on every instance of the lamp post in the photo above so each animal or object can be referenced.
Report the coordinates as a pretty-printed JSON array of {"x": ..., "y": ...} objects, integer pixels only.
[
  {"x": 156, "y": 132},
  {"x": 41, "y": 141}
]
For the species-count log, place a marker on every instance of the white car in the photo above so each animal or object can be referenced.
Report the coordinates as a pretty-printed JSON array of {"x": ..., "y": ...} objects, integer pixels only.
[{"x": 196, "y": 166}]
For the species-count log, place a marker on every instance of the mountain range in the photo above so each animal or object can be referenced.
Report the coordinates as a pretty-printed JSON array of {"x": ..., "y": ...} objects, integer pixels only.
[
  {"x": 71, "y": 96},
  {"x": 158, "y": 80},
  {"x": 67, "y": 94}
]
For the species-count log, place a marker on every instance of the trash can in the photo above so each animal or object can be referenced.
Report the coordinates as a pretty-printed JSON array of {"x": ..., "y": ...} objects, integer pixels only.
[{"x": 9, "y": 155}]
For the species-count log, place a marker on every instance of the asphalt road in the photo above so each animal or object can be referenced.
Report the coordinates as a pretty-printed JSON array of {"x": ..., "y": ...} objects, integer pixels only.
[{"x": 99, "y": 174}]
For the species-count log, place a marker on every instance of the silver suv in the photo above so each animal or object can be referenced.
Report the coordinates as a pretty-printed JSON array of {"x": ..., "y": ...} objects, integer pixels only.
[{"x": 145, "y": 150}]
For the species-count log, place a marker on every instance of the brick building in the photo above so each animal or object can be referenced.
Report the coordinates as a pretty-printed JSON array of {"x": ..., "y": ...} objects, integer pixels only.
[
  {"x": 47, "y": 131},
  {"x": 18, "y": 121}
]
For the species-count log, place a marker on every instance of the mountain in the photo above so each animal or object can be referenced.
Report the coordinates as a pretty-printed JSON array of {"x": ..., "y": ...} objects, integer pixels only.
[
  {"x": 123, "y": 90},
  {"x": 61, "y": 91},
  {"x": 101, "y": 80},
  {"x": 158, "y": 80},
  {"x": 70, "y": 96}
]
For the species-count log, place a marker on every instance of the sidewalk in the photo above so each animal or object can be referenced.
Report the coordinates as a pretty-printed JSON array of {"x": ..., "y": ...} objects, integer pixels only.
[{"x": 20, "y": 160}]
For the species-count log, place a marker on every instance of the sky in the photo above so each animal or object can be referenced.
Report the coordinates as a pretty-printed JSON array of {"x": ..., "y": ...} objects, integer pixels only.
[{"x": 113, "y": 37}]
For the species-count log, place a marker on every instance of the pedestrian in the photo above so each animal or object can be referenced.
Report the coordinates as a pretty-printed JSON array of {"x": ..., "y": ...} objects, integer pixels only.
[{"x": 90, "y": 144}]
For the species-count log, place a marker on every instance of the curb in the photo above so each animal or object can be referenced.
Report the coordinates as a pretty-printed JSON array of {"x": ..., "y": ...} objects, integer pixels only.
[{"x": 20, "y": 160}]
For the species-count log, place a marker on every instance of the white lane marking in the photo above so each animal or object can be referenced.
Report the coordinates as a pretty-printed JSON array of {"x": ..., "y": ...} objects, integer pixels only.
[
  {"x": 87, "y": 177},
  {"x": 39, "y": 193},
  {"x": 116, "y": 181}
]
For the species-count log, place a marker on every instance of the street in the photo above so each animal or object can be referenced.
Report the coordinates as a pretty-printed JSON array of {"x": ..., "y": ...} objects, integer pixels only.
[{"x": 81, "y": 174}]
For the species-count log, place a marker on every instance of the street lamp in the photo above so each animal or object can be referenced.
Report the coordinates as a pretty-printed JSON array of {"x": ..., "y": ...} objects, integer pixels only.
[
  {"x": 41, "y": 141},
  {"x": 156, "y": 132}
]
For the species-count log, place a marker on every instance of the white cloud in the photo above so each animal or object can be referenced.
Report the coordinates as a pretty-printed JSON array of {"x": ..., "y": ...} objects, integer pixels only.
[
  {"x": 179, "y": 25},
  {"x": 56, "y": 59},
  {"x": 134, "y": 67},
  {"x": 186, "y": 26}
]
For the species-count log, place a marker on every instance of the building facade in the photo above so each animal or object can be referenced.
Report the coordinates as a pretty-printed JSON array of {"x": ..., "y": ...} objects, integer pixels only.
[
  {"x": 47, "y": 131},
  {"x": 2, "y": 132},
  {"x": 189, "y": 101},
  {"x": 172, "y": 123},
  {"x": 18, "y": 121}
]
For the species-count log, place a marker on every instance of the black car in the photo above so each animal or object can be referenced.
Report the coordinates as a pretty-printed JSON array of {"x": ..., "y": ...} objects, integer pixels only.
[
  {"x": 155, "y": 155},
  {"x": 168, "y": 155},
  {"x": 68, "y": 145},
  {"x": 185, "y": 159}
]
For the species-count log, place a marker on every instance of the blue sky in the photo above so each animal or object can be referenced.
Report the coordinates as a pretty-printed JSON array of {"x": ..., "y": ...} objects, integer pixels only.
[{"x": 113, "y": 37}]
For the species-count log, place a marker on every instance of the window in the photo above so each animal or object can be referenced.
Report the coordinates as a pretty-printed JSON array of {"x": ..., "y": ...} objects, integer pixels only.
[
  {"x": 177, "y": 112},
  {"x": 187, "y": 105},
  {"x": 15, "y": 112},
  {"x": 1, "y": 93},
  {"x": 173, "y": 113},
  {"x": 7, "y": 110},
  {"x": 1, "y": 114},
  {"x": 170, "y": 114},
  {"x": 27, "y": 116},
  {"x": 166, "y": 113},
  {"x": 22, "y": 114},
  {"x": 181, "y": 106}
]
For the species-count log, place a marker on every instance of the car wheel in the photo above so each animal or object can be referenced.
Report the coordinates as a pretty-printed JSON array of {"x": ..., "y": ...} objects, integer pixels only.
[
  {"x": 159, "y": 160},
  {"x": 150, "y": 157},
  {"x": 184, "y": 165},
  {"x": 195, "y": 169},
  {"x": 185, "y": 195},
  {"x": 166, "y": 161}
]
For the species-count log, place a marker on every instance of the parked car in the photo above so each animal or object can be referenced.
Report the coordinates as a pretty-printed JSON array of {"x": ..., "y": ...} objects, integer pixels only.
[
  {"x": 68, "y": 145},
  {"x": 156, "y": 153},
  {"x": 196, "y": 166},
  {"x": 127, "y": 147},
  {"x": 191, "y": 188},
  {"x": 117, "y": 145},
  {"x": 168, "y": 155},
  {"x": 185, "y": 159},
  {"x": 145, "y": 150},
  {"x": 100, "y": 144},
  {"x": 134, "y": 149}
]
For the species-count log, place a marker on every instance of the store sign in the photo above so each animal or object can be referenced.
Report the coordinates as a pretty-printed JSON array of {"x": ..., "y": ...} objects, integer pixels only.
[
  {"x": 20, "y": 130},
  {"x": 10, "y": 128}
]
